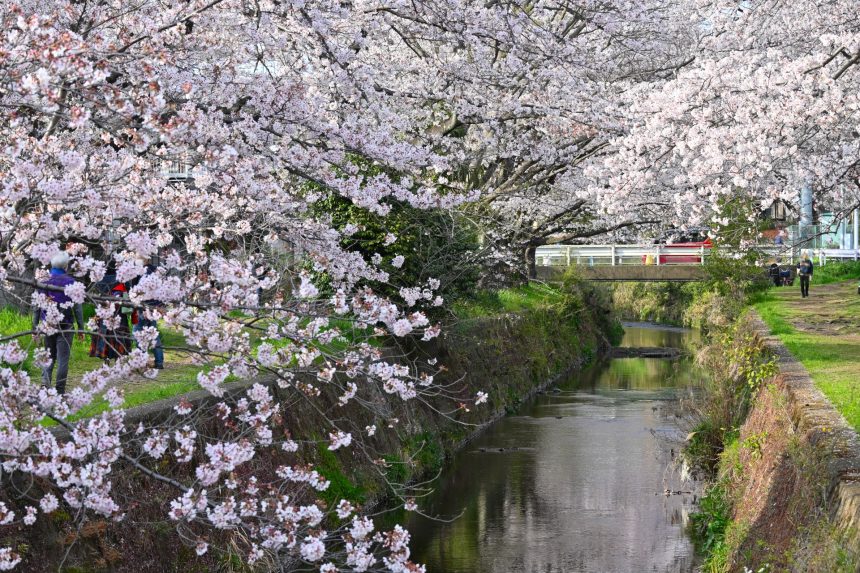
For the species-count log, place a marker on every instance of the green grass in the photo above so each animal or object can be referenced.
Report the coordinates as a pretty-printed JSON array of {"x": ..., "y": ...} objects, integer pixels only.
[
  {"x": 159, "y": 389},
  {"x": 836, "y": 272},
  {"x": 177, "y": 379},
  {"x": 180, "y": 379},
  {"x": 341, "y": 487},
  {"x": 490, "y": 303},
  {"x": 832, "y": 361}
]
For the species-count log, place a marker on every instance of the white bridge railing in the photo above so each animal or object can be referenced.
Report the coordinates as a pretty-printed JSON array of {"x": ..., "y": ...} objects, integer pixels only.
[{"x": 591, "y": 255}]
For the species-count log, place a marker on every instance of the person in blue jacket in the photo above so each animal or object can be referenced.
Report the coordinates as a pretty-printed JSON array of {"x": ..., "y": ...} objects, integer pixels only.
[
  {"x": 59, "y": 344},
  {"x": 804, "y": 272}
]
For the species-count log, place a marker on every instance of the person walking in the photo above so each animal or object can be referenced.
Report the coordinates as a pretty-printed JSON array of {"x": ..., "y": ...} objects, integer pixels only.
[
  {"x": 804, "y": 271},
  {"x": 59, "y": 344}
]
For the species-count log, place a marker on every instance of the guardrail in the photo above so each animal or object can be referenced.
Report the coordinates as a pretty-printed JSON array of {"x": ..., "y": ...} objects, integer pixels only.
[
  {"x": 591, "y": 255},
  {"x": 613, "y": 255}
]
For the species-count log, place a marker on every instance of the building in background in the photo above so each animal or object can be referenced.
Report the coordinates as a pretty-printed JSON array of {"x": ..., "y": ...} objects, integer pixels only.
[{"x": 811, "y": 228}]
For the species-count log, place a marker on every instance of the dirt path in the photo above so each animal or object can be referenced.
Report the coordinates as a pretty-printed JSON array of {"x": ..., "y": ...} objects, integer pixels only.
[{"x": 832, "y": 309}]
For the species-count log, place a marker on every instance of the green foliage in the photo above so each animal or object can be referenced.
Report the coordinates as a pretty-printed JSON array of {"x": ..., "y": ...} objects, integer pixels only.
[
  {"x": 12, "y": 322},
  {"x": 60, "y": 517},
  {"x": 530, "y": 296},
  {"x": 436, "y": 244},
  {"x": 715, "y": 302},
  {"x": 396, "y": 470},
  {"x": 584, "y": 297},
  {"x": 704, "y": 305},
  {"x": 837, "y": 271},
  {"x": 739, "y": 365},
  {"x": 704, "y": 445},
  {"x": 662, "y": 302},
  {"x": 754, "y": 444},
  {"x": 341, "y": 486},
  {"x": 421, "y": 454},
  {"x": 425, "y": 452},
  {"x": 719, "y": 559},
  {"x": 734, "y": 277},
  {"x": 833, "y": 361},
  {"x": 715, "y": 534},
  {"x": 709, "y": 523},
  {"x": 743, "y": 352}
]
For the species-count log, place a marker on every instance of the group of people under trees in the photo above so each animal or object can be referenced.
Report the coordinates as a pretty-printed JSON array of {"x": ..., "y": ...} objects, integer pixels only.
[
  {"x": 783, "y": 277},
  {"x": 113, "y": 337}
]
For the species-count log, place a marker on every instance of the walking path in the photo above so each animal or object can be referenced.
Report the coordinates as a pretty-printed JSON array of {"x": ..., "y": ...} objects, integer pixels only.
[{"x": 823, "y": 333}]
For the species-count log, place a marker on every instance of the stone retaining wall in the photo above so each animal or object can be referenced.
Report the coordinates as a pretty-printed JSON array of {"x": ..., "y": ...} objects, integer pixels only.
[
  {"x": 794, "y": 477},
  {"x": 816, "y": 419}
]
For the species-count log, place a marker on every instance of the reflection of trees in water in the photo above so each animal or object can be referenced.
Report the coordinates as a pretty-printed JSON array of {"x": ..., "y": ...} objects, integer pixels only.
[
  {"x": 494, "y": 488},
  {"x": 639, "y": 374},
  {"x": 580, "y": 493},
  {"x": 675, "y": 338},
  {"x": 581, "y": 496}
]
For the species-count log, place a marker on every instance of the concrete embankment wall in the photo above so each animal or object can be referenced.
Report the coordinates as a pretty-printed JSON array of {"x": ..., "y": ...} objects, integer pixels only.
[
  {"x": 510, "y": 357},
  {"x": 795, "y": 477}
]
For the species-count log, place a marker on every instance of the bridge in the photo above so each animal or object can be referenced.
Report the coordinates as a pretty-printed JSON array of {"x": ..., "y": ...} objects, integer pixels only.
[{"x": 673, "y": 263}]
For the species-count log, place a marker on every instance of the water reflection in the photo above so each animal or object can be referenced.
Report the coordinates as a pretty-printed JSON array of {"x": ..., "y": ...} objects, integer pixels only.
[{"x": 572, "y": 483}]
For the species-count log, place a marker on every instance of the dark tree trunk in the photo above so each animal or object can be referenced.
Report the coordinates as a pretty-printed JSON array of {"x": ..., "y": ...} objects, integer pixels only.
[{"x": 531, "y": 261}]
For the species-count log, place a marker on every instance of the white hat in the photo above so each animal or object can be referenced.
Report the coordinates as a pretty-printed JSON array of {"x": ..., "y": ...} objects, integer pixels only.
[{"x": 60, "y": 260}]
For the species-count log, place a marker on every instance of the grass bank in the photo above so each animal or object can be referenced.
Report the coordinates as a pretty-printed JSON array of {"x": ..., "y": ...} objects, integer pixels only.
[
  {"x": 769, "y": 504},
  {"x": 530, "y": 296},
  {"x": 837, "y": 272},
  {"x": 180, "y": 375},
  {"x": 823, "y": 333}
]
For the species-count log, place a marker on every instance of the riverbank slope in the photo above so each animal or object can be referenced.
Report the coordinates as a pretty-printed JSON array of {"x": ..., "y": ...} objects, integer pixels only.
[
  {"x": 509, "y": 352},
  {"x": 785, "y": 494}
]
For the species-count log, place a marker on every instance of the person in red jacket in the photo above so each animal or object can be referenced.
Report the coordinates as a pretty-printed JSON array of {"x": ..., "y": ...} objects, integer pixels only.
[{"x": 118, "y": 340}]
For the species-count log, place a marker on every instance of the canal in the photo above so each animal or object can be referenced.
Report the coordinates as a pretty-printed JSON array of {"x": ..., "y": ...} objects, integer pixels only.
[{"x": 578, "y": 480}]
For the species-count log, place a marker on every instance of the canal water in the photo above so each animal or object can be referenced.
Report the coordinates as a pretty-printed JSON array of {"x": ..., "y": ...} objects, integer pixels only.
[{"x": 576, "y": 481}]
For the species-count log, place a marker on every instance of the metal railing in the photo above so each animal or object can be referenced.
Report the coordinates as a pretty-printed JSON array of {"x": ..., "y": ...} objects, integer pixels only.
[
  {"x": 176, "y": 169},
  {"x": 592, "y": 255}
]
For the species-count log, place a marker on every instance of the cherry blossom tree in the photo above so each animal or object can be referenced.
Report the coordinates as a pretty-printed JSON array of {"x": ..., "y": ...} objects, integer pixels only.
[
  {"x": 542, "y": 121},
  {"x": 263, "y": 104},
  {"x": 766, "y": 105},
  {"x": 529, "y": 94}
]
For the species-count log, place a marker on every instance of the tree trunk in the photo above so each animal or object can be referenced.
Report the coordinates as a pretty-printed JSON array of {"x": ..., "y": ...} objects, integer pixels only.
[{"x": 531, "y": 262}]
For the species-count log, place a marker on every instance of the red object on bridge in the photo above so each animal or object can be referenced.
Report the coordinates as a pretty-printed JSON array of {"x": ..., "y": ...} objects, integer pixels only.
[{"x": 683, "y": 259}]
